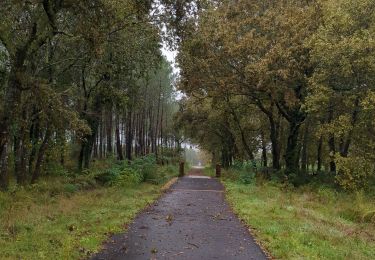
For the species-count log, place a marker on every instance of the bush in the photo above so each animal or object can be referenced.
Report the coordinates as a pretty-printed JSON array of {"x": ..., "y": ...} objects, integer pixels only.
[
  {"x": 353, "y": 172},
  {"x": 162, "y": 174},
  {"x": 130, "y": 177},
  {"x": 146, "y": 166},
  {"x": 108, "y": 177},
  {"x": 246, "y": 177},
  {"x": 245, "y": 171},
  {"x": 131, "y": 173}
]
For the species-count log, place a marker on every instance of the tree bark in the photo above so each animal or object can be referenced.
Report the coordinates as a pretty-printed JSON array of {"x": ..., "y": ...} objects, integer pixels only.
[
  {"x": 291, "y": 152},
  {"x": 346, "y": 144},
  {"x": 129, "y": 137},
  {"x": 40, "y": 157},
  {"x": 264, "y": 150},
  {"x": 331, "y": 142},
  {"x": 274, "y": 133},
  {"x": 109, "y": 130},
  {"x": 120, "y": 155},
  {"x": 304, "y": 156},
  {"x": 320, "y": 154}
]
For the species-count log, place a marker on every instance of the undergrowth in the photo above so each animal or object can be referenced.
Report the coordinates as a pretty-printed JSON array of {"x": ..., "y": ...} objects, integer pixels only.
[
  {"x": 306, "y": 222},
  {"x": 69, "y": 215}
]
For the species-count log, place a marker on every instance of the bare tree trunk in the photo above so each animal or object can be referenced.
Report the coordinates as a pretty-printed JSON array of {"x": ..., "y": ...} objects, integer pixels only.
[
  {"x": 346, "y": 144},
  {"x": 304, "y": 158},
  {"x": 120, "y": 155},
  {"x": 264, "y": 150},
  {"x": 331, "y": 142},
  {"x": 101, "y": 137},
  {"x": 4, "y": 174},
  {"x": 157, "y": 127},
  {"x": 319, "y": 154},
  {"x": 129, "y": 137},
  {"x": 109, "y": 130},
  {"x": 40, "y": 157}
]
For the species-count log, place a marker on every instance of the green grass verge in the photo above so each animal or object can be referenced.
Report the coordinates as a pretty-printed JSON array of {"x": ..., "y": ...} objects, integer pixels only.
[
  {"x": 209, "y": 171},
  {"x": 306, "y": 223},
  {"x": 40, "y": 225}
]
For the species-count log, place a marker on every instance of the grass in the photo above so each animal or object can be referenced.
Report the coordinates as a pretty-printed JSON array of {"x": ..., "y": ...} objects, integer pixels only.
[
  {"x": 40, "y": 223},
  {"x": 209, "y": 171},
  {"x": 306, "y": 222}
]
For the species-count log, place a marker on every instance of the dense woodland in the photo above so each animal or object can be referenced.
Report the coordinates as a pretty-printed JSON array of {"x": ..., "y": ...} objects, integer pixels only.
[
  {"x": 82, "y": 80},
  {"x": 287, "y": 83}
]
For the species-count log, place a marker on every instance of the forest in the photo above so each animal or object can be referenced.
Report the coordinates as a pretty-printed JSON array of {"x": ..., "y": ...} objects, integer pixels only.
[
  {"x": 288, "y": 84},
  {"x": 81, "y": 82},
  {"x": 98, "y": 122}
]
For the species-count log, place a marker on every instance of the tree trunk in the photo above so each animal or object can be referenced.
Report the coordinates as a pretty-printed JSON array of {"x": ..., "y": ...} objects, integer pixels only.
[
  {"x": 331, "y": 142},
  {"x": 40, "y": 157},
  {"x": 20, "y": 153},
  {"x": 4, "y": 174},
  {"x": 274, "y": 134},
  {"x": 9, "y": 113},
  {"x": 81, "y": 155},
  {"x": 101, "y": 137},
  {"x": 291, "y": 152},
  {"x": 120, "y": 155},
  {"x": 304, "y": 158},
  {"x": 346, "y": 144},
  {"x": 109, "y": 130},
  {"x": 319, "y": 154},
  {"x": 264, "y": 150},
  {"x": 129, "y": 137}
]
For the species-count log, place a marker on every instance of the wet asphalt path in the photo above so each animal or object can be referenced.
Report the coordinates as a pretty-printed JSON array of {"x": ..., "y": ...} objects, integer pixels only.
[{"x": 191, "y": 221}]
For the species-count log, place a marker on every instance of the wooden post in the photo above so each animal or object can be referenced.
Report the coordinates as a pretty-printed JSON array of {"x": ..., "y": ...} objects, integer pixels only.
[
  {"x": 182, "y": 169},
  {"x": 218, "y": 170}
]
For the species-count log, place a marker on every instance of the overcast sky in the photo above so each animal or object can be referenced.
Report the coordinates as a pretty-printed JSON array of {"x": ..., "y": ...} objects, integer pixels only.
[{"x": 171, "y": 57}]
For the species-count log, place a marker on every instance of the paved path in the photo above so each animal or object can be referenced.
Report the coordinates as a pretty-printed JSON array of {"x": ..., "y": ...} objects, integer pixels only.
[{"x": 191, "y": 221}]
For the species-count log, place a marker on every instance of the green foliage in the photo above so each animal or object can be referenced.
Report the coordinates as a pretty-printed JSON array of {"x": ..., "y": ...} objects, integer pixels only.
[
  {"x": 353, "y": 173},
  {"x": 109, "y": 176},
  {"x": 70, "y": 188},
  {"x": 243, "y": 172},
  {"x": 145, "y": 165},
  {"x": 282, "y": 77},
  {"x": 121, "y": 174},
  {"x": 246, "y": 177},
  {"x": 79, "y": 69},
  {"x": 143, "y": 169}
]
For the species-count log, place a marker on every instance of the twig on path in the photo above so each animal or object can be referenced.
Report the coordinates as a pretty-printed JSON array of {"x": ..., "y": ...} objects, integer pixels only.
[{"x": 193, "y": 245}]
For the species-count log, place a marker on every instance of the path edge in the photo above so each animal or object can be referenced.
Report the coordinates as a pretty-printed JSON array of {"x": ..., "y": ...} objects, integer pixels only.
[
  {"x": 164, "y": 189},
  {"x": 250, "y": 229}
]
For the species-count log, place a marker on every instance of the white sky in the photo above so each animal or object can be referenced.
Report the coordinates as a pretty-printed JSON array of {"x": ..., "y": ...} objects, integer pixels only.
[{"x": 171, "y": 57}]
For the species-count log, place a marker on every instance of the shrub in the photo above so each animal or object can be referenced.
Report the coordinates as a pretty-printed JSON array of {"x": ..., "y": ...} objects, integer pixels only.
[
  {"x": 146, "y": 166},
  {"x": 246, "y": 177},
  {"x": 353, "y": 172},
  {"x": 130, "y": 173},
  {"x": 130, "y": 177},
  {"x": 244, "y": 172},
  {"x": 108, "y": 177}
]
